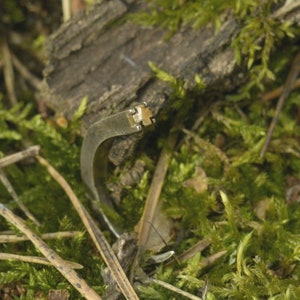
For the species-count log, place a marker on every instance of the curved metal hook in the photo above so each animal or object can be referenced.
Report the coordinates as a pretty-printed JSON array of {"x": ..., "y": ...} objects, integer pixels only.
[{"x": 123, "y": 123}]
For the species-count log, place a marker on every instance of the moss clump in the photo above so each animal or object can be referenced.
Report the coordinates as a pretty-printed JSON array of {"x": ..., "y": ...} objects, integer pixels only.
[{"x": 245, "y": 208}]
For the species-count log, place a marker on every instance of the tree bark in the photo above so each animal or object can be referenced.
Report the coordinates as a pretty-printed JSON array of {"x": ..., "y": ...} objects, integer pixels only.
[{"x": 96, "y": 56}]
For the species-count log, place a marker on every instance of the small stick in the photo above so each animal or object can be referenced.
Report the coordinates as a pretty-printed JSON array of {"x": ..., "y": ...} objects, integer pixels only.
[
  {"x": 154, "y": 192},
  {"x": 174, "y": 289},
  {"x": 209, "y": 147},
  {"x": 14, "y": 195},
  {"x": 33, "y": 80},
  {"x": 205, "y": 289},
  {"x": 12, "y": 238},
  {"x": 277, "y": 92},
  {"x": 290, "y": 81},
  {"x": 96, "y": 234},
  {"x": 199, "y": 121},
  {"x": 66, "y": 8},
  {"x": 9, "y": 77},
  {"x": 203, "y": 264},
  {"x": 11, "y": 159},
  {"x": 198, "y": 247},
  {"x": 207, "y": 261},
  {"x": 80, "y": 284},
  {"x": 36, "y": 260}
]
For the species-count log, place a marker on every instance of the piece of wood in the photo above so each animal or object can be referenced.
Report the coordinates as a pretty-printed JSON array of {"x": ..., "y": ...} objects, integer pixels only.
[
  {"x": 93, "y": 55},
  {"x": 110, "y": 64}
]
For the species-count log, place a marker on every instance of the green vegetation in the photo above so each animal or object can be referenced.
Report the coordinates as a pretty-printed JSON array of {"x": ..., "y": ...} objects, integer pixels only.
[
  {"x": 45, "y": 199},
  {"x": 246, "y": 205},
  {"x": 244, "y": 208},
  {"x": 259, "y": 35}
]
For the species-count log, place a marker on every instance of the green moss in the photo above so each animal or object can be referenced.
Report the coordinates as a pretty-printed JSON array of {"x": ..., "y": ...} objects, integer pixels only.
[
  {"x": 259, "y": 35},
  {"x": 172, "y": 14},
  {"x": 244, "y": 209},
  {"x": 45, "y": 199}
]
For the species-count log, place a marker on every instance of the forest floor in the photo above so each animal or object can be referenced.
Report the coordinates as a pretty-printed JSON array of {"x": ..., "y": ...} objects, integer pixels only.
[{"x": 232, "y": 200}]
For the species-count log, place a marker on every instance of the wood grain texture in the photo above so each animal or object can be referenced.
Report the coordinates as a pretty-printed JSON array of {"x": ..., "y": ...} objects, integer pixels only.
[{"x": 93, "y": 55}]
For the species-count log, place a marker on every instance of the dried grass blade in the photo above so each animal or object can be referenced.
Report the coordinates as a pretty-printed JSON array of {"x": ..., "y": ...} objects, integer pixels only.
[
  {"x": 16, "y": 198},
  {"x": 97, "y": 236},
  {"x": 287, "y": 88},
  {"x": 9, "y": 76},
  {"x": 154, "y": 192},
  {"x": 80, "y": 284},
  {"x": 175, "y": 289},
  {"x": 13, "y": 238},
  {"x": 36, "y": 260},
  {"x": 198, "y": 247}
]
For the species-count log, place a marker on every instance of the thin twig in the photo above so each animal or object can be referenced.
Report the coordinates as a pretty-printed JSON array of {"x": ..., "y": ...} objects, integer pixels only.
[
  {"x": 9, "y": 77},
  {"x": 207, "y": 261},
  {"x": 11, "y": 159},
  {"x": 209, "y": 147},
  {"x": 96, "y": 234},
  {"x": 36, "y": 260},
  {"x": 277, "y": 92},
  {"x": 80, "y": 284},
  {"x": 285, "y": 9},
  {"x": 66, "y": 8},
  {"x": 202, "y": 116},
  {"x": 198, "y": 247},
  {"x": 154, "y": 192},
  {"x": 16, "y": 198},
  {"x": 32, "y": 79},
  {"x": 204, "y": 263},
  {"x": 12, "y": 238},
  {"x": 290, "y": 81},
  {"x": 174, "y": 289}
]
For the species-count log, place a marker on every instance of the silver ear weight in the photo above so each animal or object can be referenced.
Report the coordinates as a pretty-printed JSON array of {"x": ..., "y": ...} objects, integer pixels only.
[{"x": 141, "y": 116}]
